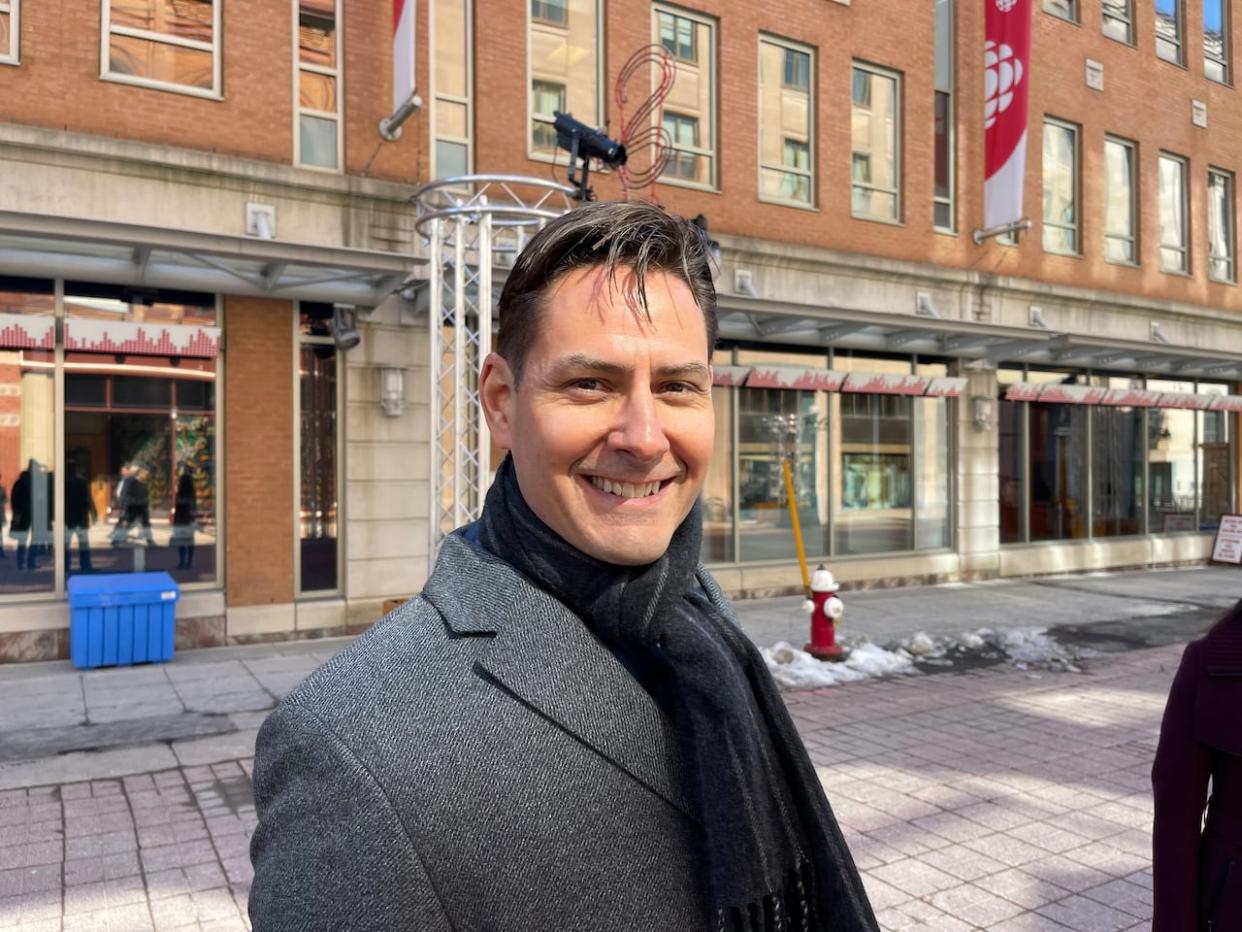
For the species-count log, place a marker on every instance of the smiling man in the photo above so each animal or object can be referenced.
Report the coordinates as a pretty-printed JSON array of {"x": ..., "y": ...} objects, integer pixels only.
[{"x": 567, "y": 729}]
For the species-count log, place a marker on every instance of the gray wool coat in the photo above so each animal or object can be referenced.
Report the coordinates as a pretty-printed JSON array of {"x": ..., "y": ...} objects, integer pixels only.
[{"x": 476, "y": 761}]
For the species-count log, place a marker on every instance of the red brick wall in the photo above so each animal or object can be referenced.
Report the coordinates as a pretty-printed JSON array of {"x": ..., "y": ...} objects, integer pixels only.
[{"x": 258, "y": 448}]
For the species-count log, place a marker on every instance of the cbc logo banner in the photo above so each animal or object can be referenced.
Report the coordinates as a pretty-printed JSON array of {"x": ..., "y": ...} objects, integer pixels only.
[{"x": 1002, "y": 73}]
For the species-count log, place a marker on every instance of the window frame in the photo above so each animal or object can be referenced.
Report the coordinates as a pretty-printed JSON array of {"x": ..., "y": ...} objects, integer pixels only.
[
  {"x": 1127, "y": 20},
  {"x": 1231, "y": 258},
  {"x": 1184, "y": 165},
  {"x": 1131, "y": 148},
  {"x": 14, "y": 9},
  {"x": 435, "y": 96},
  {"x": 708, "y": 60},
  {"x": 531, "y": 116},
  {"x": 1179, "y": 23},
  {"x": 107, "y": 30},
  {"x": 951, "y": 132},
  {"x": 300, "y": 341},
  {"x": 1076, "y": 131},
  {"x": 336, "y": 74},
  {"x": 1224, "y": 61},
  {"x": 564, "y": 5},
  {"x": 787, "y": 46},
  {"x": 1075, "y": 11},
  {"x": 898, "y": 160}
]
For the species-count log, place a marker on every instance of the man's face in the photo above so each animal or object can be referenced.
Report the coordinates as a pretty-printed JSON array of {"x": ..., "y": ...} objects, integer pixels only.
[{"x": 611, "y": 427}]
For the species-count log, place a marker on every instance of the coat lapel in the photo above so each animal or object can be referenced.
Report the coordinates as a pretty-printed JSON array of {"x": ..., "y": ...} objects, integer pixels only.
[{"x": 546, "y": 658}]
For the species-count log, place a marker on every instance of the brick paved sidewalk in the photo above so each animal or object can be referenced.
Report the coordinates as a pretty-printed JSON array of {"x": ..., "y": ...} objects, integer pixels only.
[{"x": 990, "y": 799}]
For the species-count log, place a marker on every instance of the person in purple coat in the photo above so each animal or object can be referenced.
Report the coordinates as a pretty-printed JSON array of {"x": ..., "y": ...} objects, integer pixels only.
[{"x": 1197, "y": 859}]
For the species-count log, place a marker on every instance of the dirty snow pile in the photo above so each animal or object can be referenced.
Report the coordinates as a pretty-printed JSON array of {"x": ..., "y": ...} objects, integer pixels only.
[
  {"x": 1026, "y": 648},
  {"x": 796, "y": 669}
]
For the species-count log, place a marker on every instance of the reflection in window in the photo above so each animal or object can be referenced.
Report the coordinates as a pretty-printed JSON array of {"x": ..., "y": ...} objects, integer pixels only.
[
  {"x": 1066, "y": 9},
  {"x": 717, "y": 492},
  {"x": 1117, "y": 471},
  {"x": 785, "y": 108},
  {"x": 1174, "y": 255},
  {"x": 1215, "y": 461},
  {"x": 1060, "y": 187},
  {"x": 1120, "y": 242},
  {"x": 1169, "y": 30},
  {"x": 1011, "y": 420},
  {"x": 1220, "y": 225},
  {"x": 452, "y": 26},
  {"x": 317, "y": 526},
  {"x": 931, "y": 444},
  {"x": 1216, "y": 40},
  {"x": 1058, "y": 471},
  {"x": 1171, "y": 470},
  {"x": 318, "y": 71},
  {"x": 874, "y": 131},
  {"x": 773, "y": 423},
  {"x": 1119, "y": 20},
  {"x": 691, "y": 99},
  {"x": 564, "y": 67},
  {"x": 169, "y": 43},
  {"x": 875, "y": 483}
]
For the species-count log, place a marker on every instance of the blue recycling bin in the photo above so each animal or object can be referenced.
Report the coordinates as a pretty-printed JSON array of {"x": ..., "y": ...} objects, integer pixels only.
[{"x": 117, "y": 619}]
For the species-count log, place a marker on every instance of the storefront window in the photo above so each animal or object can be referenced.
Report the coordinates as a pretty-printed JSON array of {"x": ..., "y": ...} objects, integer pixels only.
[
  {"x": 931, "y": 444},
  {"x": 1010, "y": 423},
  {"x": 317, "y": 526},
  {"x": 27, "y": 436},
  {"x": 1117, "y": 469},
  {"x": 718, "y": 487},
  {"x": 140, "y": 432},
  {"x": 1171, "y": 456},
  {"x": 1058, "y": 477},
  {"x": 876, "y": 482},
  {"x": 1215, "y": 448}
]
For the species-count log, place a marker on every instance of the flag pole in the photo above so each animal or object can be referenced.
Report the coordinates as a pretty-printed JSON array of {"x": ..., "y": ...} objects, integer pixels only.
[{"x": 1018, "y": 225}]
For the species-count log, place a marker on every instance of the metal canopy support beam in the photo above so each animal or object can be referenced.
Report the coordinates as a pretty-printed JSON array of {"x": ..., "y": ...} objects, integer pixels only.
[
  {"x": 960, "y": 341},
  {"x": 831, "y": 332},
  {"x": 783, "y": 324},
  {"x": 1108, "y": 357},
  {"x": 1014, "y": 349},
  {"x": 904, "y": 337}
]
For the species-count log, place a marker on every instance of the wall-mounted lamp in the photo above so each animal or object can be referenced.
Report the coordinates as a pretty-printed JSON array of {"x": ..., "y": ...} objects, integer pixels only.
[
  {"x": 392, "y": 390},
  {"x": 981, "y": 407}
]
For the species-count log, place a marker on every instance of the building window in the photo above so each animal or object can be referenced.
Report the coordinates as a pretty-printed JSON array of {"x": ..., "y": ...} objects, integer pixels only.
[
  {"x": 140, "y": 433},
  {"x": 318, "y": 76},
  {"x": 945, "y": 149},
  {"x": 1169, "y": 30},
  {"x": 1120, "y": 204},
  {"x": 875, "y": 133},
  {"x": 1119, "y": 20},
  {"x": 786, "y": 134},
  {"x": 1060, "y": 187},
  {"x": 1117, "y": 468},
  {"x": 1216, "y": 40},
  {"x": 1065, "y": 9},
  {"x": 168, "y": 46},
  {"x": 691, "y": 101},
  {"x": 10, "y": 31},
  {"x": 452, "y": 75},
  {"x": 564, "y": 54},
  {"x": 1174, "y": 234},
  {"x": 1215, "y": 461},
  {"x": 718, "y": 487},
  {"x": 318, "y": 484},
  {"x": 1220, "y": 226}
]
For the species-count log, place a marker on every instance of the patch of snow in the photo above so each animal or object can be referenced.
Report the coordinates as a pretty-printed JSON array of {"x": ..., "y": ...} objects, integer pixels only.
[{"x": 796, "y": 669}]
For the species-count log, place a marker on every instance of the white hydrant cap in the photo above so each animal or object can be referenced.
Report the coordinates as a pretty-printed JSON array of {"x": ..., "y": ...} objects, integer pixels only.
[{"x": 822, "y": 581}]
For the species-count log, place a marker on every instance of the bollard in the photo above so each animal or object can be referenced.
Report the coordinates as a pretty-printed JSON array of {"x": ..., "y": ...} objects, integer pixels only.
[{"x": 825, "y": 609}]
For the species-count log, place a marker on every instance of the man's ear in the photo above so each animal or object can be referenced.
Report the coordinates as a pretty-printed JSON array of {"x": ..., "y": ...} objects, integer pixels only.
[{"x": 497, "y": 394}]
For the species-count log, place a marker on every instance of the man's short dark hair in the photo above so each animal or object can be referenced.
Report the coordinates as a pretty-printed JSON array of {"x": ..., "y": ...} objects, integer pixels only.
[{"x": 617, "y": 235}]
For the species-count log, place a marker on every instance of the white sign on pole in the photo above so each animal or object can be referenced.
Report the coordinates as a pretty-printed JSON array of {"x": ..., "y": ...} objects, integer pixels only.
[{"x": 1228, "y": 545}]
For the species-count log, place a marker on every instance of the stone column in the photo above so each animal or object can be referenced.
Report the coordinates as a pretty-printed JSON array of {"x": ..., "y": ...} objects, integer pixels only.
[{"x": 978, "y": 511}]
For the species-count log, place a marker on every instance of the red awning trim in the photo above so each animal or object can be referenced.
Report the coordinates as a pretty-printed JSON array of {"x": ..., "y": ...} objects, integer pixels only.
[
  {"x": 1226, "y": 402},
  {"x": 1185, "y": 400},
  {"x": 1131, "y": 398},
  {"x": 26, "y": 331},
  {"x": 1057, "y": 393},
  {"x": 1023, "y": 391},
  {"x": 874, "y": 383},
  {"x": 110, "y": 336},
  {"x": 796, "y": 378},
  {"x": 946, "y": 387},
  {"x": 730, "y": 375}
]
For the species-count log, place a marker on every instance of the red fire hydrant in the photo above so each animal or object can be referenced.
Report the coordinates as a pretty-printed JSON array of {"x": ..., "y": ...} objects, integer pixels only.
[{"x": 825, "y": 609}]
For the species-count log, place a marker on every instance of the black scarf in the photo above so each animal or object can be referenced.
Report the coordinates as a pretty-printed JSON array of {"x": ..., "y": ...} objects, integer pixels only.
[{"x": 773, "y": 852}]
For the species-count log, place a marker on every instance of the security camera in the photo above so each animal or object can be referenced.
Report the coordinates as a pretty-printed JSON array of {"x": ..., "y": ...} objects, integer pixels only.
[{"x": 345, "y": 326}]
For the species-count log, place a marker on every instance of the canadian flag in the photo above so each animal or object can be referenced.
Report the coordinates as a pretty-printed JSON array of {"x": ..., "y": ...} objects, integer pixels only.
[
  {"x": 402, "y": 52},
  {"x": 1006, "y": 79}
]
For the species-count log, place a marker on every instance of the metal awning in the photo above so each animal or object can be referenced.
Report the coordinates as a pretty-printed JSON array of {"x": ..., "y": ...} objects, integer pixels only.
[
  {"x": 751, "y": 320},
  {"x": 37, "y": 246}
]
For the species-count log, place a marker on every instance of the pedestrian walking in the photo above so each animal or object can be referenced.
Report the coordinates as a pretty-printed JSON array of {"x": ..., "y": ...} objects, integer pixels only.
[
  {"x": 1197, "y": 855},
  {"x": 567, "y": 729}
]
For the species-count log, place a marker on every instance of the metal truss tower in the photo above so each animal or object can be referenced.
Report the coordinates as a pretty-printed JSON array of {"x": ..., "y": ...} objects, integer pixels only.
[{"x": 474, "y": 226}]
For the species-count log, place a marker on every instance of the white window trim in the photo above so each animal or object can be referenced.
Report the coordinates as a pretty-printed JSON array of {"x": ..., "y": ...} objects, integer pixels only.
[
  {"x": 1133, "y": 239},
  {"x": 467, "y": 101},
  {"x": 1231, "y": 205},
  {"x": 300, "y": 340},
  {"x": 1179, "y": 20},
  {"x": 1184, "y": 268},
  {"x": 897, "y": 148},
  {"x": 1127, "y": 18},
  {"x": 107, "y": 30},
  {"x": 951, "y": 117},
  {"x": 1226, "y": 46},
  {"x": 807, "y": 173},
  {"x": 1076, "y": 226},
  {"x": 14, "y": 9},
  {"x": 298, "y": 110},
  {"x": 707, "y": 61},
  {"x": 531, "y": 116},
  {"x": 1075, "y": 11}
]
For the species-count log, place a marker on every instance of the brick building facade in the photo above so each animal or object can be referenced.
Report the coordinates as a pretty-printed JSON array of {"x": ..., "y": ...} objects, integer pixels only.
[{"x": 1067, "y": 401}]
